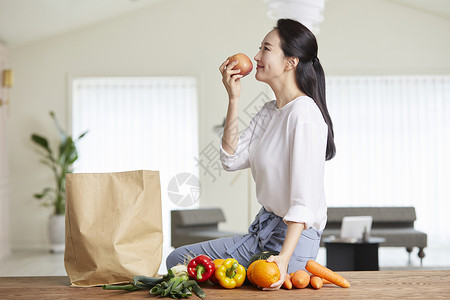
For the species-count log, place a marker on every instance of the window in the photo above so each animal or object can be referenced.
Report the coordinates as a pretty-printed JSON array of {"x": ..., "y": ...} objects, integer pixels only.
[
  {"x": 137, "y": 123},
  {"x": 392, "y": 137}
]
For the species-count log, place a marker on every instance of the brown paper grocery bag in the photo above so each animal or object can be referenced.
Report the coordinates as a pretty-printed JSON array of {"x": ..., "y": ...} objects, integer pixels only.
[{"x": 113, "y": 227}]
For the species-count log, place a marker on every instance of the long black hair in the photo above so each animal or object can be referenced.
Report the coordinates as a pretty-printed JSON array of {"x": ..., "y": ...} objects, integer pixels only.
[{"x": 298, "y": 41}]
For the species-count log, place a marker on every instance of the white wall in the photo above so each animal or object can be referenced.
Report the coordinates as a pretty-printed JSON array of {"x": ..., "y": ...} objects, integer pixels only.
[
  {"x": 4, "y": 178},
  {"x": 378, "y": 37},
  {"x": 192, "y": 38}
]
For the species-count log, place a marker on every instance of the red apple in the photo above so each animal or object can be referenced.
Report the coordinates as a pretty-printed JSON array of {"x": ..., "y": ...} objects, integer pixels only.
[{"x": 244, "y": 63}]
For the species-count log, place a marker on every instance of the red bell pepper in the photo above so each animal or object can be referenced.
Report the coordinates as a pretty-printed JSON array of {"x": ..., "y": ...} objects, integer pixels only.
[{"x": 201, "y": 268}]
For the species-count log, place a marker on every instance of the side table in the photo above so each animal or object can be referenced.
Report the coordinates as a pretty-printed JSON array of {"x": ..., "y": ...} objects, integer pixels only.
[{"x": 348, "y": 255}]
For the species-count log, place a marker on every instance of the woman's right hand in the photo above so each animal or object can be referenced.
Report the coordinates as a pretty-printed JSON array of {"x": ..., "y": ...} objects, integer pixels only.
[{"x": 231, "y": 79}]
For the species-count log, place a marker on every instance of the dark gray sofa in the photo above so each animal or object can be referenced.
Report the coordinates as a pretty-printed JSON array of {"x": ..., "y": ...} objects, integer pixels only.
[
  {"x": 197, "y": 225},
  {"x": 395, "y": 224}
]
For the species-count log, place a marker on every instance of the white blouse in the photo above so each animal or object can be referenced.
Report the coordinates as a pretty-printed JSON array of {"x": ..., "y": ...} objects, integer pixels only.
[{"x": 285, "y": 149}]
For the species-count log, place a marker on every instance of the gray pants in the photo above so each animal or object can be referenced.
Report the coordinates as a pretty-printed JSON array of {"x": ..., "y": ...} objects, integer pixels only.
[{"x": 267, "y": 232}]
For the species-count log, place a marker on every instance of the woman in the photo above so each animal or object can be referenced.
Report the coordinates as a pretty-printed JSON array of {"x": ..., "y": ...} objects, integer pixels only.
[{"x": 285, "y": 145}]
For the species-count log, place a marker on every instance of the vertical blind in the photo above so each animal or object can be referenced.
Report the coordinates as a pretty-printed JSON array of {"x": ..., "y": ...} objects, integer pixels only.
[
  {"x": 137, "y": 123},
  {"x": 392, "y": 136}
]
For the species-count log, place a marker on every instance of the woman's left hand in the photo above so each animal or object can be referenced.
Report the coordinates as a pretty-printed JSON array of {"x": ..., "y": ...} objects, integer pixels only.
[{"x": 282, "y": 263}]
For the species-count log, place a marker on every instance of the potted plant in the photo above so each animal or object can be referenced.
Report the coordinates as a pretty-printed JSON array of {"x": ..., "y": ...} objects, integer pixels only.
[{"x": 61, "y": 163}]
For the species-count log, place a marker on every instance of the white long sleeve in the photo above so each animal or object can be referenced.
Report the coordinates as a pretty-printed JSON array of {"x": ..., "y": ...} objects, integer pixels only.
[
  {"x": 285, "y": 149},
  {"x": 307, "y": 162},
  {"x": 239, "y": 160}
]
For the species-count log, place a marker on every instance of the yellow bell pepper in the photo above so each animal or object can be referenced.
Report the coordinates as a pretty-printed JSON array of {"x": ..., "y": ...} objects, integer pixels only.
[{"x": 230, "y": 274}]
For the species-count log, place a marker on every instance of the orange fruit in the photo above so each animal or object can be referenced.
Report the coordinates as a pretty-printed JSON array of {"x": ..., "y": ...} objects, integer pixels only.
[
  {"x": 264, "y": 273},
  {"x": 300, "y": 279},
  {"x": 249, "y": 272},
  {"x": 217, "y": 263}
]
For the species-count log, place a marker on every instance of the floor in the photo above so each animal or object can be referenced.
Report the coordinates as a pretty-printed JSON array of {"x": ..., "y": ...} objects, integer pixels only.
[{"x": 43, "y": 263}]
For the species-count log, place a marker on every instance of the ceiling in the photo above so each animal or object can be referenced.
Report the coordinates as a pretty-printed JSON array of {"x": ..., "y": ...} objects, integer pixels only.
[
  {"x": 25, "y": 21},
  {"x": 440, "y": 8}
]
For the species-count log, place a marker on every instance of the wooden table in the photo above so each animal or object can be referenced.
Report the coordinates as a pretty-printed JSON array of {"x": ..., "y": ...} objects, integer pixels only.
[{"x": 364, "y": 285}]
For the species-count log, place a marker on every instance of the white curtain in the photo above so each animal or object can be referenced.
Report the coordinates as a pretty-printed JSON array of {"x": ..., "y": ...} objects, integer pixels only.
[
  {"x": 138, "y": 123},
  {"x": 392, "y": 137}
]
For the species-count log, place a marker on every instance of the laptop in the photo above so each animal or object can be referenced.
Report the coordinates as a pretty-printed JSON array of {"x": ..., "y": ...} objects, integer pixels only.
[{"x": 352, "y": 227}]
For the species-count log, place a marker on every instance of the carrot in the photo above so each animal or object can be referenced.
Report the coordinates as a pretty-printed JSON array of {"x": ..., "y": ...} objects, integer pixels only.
[
  {"x": 323, "y": 272},
  {"x": 326, "y": 281},
  {"x": 287, "y": 282},
  {"x": 300, "y": 279},
  {"x": 316, "y": 282}
]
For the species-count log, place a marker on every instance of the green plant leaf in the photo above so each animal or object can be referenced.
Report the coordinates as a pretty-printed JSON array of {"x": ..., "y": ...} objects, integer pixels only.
[
  {"x": 41, "y": 141},
  {"x": 62, "y": 133},
  {"x": 44, "y": 193},
  {"x": 73, "y": 158},
  {"x": 82, "y": 135},
  {"x": 38, "y": 196},
  {"x": 60, "y": 163},
  {"x": 46, "y": 162},
  {"x": 67, "y": 152}
]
